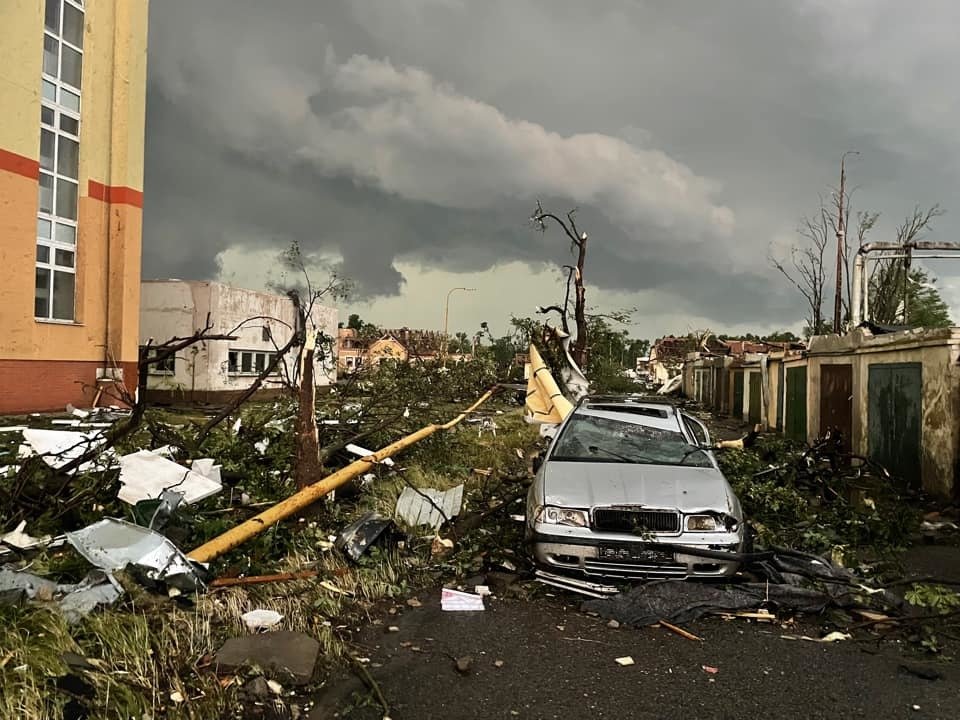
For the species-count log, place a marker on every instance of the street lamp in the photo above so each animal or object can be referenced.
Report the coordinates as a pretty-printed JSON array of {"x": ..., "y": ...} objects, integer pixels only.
[{"x": 446, "y": 316}]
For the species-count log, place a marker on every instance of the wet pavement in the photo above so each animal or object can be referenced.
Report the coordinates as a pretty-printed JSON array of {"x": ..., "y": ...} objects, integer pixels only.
[{"x": 543, "y": 659}]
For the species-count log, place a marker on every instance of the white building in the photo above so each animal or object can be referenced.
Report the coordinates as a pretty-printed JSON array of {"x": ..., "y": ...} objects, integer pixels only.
[{"x": 210, "y": 371}]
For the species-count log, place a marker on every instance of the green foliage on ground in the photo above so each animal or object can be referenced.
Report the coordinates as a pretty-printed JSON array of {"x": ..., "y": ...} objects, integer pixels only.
[{"x": 813, "y": 508}]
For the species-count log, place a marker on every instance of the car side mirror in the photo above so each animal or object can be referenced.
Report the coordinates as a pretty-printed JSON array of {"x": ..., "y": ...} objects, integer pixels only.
[{"x": 536, "y": 463}]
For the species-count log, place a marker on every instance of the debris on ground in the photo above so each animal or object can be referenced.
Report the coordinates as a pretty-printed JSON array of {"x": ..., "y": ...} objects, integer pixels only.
[
  {"x": 19, "y": 539},
  {"x": 456, "y": 600},
  {"x": 625, "y": 661},
  {"x": 144, "y": 475},
  {"x": 60, "y": 447},
  {"x": 113, "y": 544},
  {"x": 359, "y": 536},
  {"x": 427, "y": 506},
  {"x": 261, "y": 619},
  {"x": 75, "y": 601}
]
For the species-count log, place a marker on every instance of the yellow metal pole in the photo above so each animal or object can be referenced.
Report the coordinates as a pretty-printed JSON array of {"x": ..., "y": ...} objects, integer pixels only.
[{"x": 309, "y": 495}]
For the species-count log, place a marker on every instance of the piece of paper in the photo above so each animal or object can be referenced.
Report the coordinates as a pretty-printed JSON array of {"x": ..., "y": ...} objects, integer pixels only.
[{"x": 455, "y": 600}]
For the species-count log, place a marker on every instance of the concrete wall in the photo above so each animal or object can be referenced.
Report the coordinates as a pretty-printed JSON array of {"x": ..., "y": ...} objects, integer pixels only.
[{"x": 178, "y": 308}]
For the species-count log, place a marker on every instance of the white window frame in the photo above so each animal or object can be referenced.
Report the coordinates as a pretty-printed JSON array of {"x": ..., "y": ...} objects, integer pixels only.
[
  {"x": 253, "y": 371},
  {"x": 56, "y": 234}
]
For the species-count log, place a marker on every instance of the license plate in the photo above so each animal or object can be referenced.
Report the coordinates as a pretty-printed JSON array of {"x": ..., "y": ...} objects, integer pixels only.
[{"x": 626, "y": 553}]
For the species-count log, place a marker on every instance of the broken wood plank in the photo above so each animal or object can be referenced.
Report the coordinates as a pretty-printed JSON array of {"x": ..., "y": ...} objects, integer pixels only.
[
  {"x": 679, "y": 631},
  {"x": 261, "y": 579}
]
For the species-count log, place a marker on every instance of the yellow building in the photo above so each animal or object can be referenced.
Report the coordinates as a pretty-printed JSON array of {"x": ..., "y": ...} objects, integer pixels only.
[{"x": 72, "y": 92}]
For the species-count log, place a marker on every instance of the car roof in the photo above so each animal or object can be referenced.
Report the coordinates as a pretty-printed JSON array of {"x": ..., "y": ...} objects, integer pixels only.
[
  {"x": 632, "y": 409},
  {"x": 635, "y": 404}
]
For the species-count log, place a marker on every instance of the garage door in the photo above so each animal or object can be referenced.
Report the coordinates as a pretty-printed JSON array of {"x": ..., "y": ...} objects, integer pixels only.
[{"x": 893, "y": 417}]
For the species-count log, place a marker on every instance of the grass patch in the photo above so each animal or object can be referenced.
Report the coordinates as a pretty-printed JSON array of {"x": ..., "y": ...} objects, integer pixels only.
[{"x": 147, "y": 647}]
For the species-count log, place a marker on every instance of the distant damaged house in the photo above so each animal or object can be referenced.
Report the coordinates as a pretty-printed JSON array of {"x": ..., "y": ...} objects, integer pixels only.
[
  {"x": 213, "y": 371},
  {"x": 400, "y": 345},
  {"x": 667, "y": 357}
]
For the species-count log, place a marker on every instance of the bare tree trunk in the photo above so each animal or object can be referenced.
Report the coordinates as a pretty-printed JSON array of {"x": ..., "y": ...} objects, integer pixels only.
[
  {"x": 580, "y": 307},
  {"x": 306, "y": 469}
]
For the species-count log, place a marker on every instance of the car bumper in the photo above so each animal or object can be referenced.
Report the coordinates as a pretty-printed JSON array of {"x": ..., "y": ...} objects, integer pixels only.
[{"x": 631, "y": 559}]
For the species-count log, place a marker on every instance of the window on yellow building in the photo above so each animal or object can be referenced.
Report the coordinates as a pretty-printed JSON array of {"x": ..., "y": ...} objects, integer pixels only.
[{"x": 59, "y": 160}]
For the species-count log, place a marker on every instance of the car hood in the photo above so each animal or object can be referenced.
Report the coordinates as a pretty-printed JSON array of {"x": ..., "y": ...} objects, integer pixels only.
[{"x": 589, "y": 484}]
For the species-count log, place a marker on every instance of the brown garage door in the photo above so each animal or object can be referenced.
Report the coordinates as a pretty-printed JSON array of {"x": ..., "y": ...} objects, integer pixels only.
[{"x": 836, "y": 400}]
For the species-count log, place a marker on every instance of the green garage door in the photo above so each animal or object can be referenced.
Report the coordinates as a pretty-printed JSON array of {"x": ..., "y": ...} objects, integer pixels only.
[
  {"x": 796, "y": 405},
  {"x": 893, "y": 418}
]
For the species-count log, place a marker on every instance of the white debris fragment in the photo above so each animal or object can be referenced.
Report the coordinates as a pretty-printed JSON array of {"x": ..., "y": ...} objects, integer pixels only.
[
  {"x": 625, "y": 661},
  {"x": 206, "y": 467},
  {"x": 60, "y": 447},
  {"x": 363, "y": 452},
  {"x": 77, "y": 412},
  {"x": 457, "y": 601},
  {"x": 262, "y": 445},
  {"x": 261, "y": 619},
  {"x": 22, "y": 541},
  {"x": 145, "y": 475}
]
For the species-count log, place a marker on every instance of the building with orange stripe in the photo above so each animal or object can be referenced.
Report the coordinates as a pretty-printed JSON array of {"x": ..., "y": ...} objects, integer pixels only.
[{"x": 72, "y": 90}]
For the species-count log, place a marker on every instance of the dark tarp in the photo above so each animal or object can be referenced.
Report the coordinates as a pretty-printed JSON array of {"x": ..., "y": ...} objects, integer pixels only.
[{"x": 799, "y": 583}]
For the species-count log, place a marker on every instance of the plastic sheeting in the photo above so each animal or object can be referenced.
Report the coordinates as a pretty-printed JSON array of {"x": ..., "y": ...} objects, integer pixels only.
[{"x": 795, "y": 587}]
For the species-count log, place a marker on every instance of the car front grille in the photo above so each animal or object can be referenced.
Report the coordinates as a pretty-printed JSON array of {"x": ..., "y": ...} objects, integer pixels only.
[
  {"x": 633, "y": 571},
  {"x": 627, "y": 520}
]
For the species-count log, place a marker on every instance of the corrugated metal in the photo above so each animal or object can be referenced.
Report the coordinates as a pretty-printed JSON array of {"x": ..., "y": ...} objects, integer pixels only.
[{"x": 414, "y": 509}]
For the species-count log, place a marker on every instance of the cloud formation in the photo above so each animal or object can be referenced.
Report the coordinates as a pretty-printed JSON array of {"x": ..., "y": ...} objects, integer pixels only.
[{"x": 418, "y": 133}]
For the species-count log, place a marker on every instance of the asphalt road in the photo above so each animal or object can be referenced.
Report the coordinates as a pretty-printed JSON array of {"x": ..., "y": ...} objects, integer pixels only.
[{"x": 557, "y": 662}]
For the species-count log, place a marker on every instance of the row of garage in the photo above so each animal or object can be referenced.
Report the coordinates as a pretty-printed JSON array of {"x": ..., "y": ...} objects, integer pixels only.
[{"x": 893, "y": 396}]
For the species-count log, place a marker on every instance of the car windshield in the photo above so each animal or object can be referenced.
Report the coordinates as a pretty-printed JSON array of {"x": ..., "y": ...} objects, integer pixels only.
[{"x": 596, "y": 439}]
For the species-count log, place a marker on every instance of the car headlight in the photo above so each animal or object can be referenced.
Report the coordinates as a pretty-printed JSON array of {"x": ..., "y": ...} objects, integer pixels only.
[
  {"x": 702, "y": 523},
  {"x": 711, "y": 523},
  {"x": 562, "y": 516}
]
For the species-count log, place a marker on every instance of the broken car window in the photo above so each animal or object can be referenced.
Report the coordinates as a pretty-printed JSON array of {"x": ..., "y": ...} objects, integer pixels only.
[{"x": 595, "y": 439}]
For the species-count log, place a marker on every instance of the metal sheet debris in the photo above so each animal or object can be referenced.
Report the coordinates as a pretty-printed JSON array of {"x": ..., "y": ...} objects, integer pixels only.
[
  {"x": 113, "y": 544},
  {"x": 59, "y": 447},
  {"x": 426, "y": 506},
  {"x": 145, "y": 475},
  {"x": 74, "y": 600},
  {"x": 357, "y": 537},
  {"x": 457, "y": 601}
]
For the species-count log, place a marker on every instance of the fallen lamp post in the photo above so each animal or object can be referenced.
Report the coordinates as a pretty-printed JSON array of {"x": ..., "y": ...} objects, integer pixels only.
[{"x": 312, "y": 493}]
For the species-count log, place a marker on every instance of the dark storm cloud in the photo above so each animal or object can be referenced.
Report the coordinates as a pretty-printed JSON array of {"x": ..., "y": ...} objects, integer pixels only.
[{"x": 690, "y": 135}]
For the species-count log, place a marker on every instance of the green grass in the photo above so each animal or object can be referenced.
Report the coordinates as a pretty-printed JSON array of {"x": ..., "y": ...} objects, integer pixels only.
[{"x": 146, "y": 646}]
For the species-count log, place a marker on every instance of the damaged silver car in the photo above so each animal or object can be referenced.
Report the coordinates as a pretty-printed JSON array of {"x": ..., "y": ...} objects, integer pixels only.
[{"x": 629, "y": 489}]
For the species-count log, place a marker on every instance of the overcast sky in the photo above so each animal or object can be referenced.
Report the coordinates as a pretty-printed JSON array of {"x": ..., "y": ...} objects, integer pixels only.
[{"x": 406, "y": 142}]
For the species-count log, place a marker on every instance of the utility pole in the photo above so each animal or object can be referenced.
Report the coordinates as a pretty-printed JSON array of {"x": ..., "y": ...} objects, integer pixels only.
[{"x": 841, "y": 236}]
